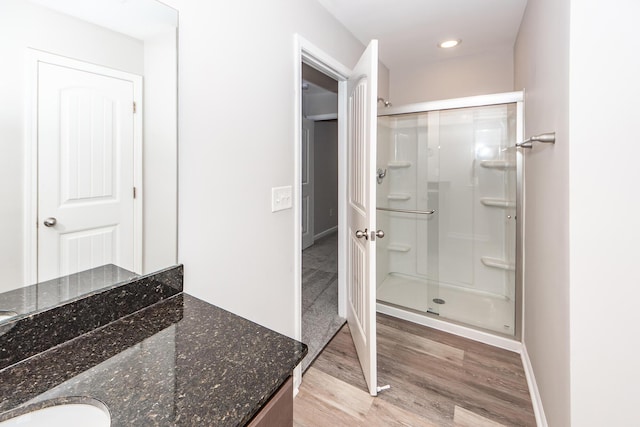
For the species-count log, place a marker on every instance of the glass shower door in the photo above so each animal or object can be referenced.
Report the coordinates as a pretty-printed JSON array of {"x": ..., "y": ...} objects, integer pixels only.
[
  {"x": 447, "y": 199},
  {"x": 477, "y": 216},
  {"x": 407, "y": 274}
]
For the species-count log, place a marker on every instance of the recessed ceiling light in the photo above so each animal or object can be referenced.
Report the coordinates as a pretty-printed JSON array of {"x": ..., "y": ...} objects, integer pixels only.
[{"x": 447, "y": 44}]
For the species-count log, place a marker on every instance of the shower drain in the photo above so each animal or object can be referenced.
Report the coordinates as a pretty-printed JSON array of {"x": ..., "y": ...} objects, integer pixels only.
[{"x": 438, "y": 300}]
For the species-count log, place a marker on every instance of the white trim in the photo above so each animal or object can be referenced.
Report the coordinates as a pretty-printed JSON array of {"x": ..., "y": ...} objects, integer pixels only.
[
  {"x": 536, "y": 400},
  {"x": 297, "y": 373},
  {"x": 452, "y": 328},
  {"x": 31, "y": 173},
  {"x": 520, "y": 224},
  {"x": 447, "y": 104},
  {"x": 306, "y": 52},
  {"x": 342, "y": 198},
  {"x": 297, "y": 193},
  {"x": 321, "y": 61},
  {"x": 325, "y": 233},
  {"x": 138, "y": 161},
  {"x": 33, "y": 57}
]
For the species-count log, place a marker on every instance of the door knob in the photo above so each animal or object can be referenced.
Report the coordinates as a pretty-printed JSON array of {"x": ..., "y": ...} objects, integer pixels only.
[
  {"x": 50, "y": 222},
  {"x": 360, "y": 234},
  {"x": 379, "y": 234}
]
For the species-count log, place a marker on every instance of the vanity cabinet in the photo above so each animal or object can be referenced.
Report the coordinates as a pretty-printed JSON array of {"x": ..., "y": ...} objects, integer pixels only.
[{"x": 278, "y": 412}]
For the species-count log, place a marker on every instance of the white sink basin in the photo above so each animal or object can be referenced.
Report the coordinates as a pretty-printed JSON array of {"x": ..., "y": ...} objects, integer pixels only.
[{"x": 69, "y": 415}]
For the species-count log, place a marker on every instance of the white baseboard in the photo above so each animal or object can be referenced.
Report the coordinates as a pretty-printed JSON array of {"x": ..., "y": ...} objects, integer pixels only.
[
  {"x": 462, "y": 331},
  {"x": 538, "y": 410},
  {"x": 297, "y": 379},
  {"x": 325, "y": 233}
]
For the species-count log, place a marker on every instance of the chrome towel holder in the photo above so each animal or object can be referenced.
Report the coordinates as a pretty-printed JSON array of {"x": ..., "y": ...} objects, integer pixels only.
[{"x": 547, "y": 138}]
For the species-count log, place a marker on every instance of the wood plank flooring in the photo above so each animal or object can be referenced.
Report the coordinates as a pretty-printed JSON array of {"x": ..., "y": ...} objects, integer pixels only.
[{"x": 437, "y": 379}]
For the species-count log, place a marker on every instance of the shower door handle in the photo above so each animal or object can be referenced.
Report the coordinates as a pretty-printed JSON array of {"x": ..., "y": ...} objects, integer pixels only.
[{"x": 360, "y": 234}]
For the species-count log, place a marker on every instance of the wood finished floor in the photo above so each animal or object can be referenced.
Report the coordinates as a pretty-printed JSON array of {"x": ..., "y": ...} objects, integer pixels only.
[{"x": 437, "y": 379}]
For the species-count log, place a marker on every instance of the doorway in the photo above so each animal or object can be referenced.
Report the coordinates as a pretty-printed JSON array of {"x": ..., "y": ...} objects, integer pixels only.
[
  {"x": 319, "y": 210},
  {"x": 357, "y": 94}
]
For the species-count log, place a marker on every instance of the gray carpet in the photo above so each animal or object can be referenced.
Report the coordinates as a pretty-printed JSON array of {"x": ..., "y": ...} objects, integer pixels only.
[{"x": 320, "y": 319}]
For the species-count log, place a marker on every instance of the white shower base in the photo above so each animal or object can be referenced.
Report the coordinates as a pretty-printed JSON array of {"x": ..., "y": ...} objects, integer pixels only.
[{"x": 470, "y": 307}]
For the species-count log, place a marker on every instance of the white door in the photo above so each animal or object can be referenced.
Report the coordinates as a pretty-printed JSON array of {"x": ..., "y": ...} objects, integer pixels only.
[
  {"x": 362, "y": 95},
  {"x": 85, "y": 171},
  {"x": 307, "y": 183}
]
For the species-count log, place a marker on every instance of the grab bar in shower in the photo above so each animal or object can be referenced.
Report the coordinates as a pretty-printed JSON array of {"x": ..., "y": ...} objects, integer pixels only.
[{"x": 431, "y": 212}]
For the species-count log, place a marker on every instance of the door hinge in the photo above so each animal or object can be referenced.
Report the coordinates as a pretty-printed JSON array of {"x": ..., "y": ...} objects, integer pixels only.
[
  {"x": 134, "y": 192},
  {"x": 134, "y": 107}
]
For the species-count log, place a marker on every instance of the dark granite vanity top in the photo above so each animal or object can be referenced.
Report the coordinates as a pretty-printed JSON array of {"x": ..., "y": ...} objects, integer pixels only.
[
  {"x": 177, "y": 362},
  {"x": 45, "y": 295}
]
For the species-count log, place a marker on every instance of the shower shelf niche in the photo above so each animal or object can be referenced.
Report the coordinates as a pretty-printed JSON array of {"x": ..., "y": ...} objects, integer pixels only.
[
  {"x": 497, "y": 263},
  {"x": 397, "y": 164},
  {"x": 497, "y": 203},
  {"x": 398, "y": 196},
  {"x": 497, "y": 164},
  {"x": 395, "y": 247}
]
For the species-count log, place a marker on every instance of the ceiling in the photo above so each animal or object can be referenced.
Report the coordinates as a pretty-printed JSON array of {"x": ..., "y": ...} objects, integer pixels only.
[
  {"x": 140, "y": 19},
  {"x": 409, "y": 30}
]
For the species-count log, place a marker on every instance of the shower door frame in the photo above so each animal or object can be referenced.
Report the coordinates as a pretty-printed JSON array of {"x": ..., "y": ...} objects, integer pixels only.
[{"x": 492, "y": 338}]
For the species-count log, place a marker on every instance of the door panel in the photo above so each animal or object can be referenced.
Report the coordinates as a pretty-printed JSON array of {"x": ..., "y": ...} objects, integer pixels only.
[
  {"x": 82, "y": 250},
  {"x": 85, "y": 171},
  {"x": 307, "y": 183},
  {"x": 86, "y": 145},
  {"x": 361, "y": 213}
]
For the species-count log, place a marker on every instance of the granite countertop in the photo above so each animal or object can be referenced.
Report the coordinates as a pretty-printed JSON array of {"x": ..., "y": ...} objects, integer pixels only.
[
  {"x": 177, "y": 362},
  {"x": 27, "y": 300}
]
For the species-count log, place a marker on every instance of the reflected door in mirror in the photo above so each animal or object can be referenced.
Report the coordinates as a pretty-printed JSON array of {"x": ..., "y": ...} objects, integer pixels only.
[{"x": 85, "y": 168}]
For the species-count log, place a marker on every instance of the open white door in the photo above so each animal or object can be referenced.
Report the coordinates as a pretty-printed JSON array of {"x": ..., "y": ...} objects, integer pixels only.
[
  {"x": 307, "y": 183},
  {"x": 362, "y": 94}
]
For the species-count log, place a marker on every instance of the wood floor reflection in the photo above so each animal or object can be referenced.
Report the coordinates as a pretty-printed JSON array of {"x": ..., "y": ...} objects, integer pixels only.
[{"x": 437, "y": 379}]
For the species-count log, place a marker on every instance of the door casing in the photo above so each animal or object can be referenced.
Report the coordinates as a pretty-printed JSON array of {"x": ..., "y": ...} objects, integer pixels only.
[{"x": 306, "y": 52}]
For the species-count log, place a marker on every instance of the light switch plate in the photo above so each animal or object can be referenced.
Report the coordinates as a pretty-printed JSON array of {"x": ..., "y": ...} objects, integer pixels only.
[{"x": 281, "y": 198}]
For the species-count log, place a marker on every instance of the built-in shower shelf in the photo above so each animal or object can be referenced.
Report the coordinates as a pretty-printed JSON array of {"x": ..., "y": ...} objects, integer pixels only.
[
  {"x": 497, "y": 203},
  {"x": 497, "y": 164},
  {"x": 497, "y": 263},
  {"x": 398, "y": 196},
  {"x": 395, "y": 247},
  {"x": 397, "y": 164}
]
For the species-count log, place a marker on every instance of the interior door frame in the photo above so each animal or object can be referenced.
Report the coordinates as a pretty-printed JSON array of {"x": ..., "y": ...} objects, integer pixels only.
[
  {"x": 305, "y": 51},
  {"x": 33, "y": 58}
]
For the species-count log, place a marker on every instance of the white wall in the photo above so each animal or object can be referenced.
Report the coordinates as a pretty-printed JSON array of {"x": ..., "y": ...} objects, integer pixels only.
[
  {"x": 23, "y": 25},
  {"x": 604, "y": 226},
  {"x": 384, "y": 81},
  {"x": 488, "y": 72},
  {"x": 237, "y": 253},
  {"x": 160, "y": 153},
  {"x": 542, "y": 69}
]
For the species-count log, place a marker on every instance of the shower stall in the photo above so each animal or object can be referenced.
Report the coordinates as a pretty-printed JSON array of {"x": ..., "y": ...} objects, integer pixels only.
[{"x": 448, "y": 200}]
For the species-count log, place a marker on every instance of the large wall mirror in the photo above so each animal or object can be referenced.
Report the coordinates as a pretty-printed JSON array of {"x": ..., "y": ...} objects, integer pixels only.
[{"x": 88, "y": 136}]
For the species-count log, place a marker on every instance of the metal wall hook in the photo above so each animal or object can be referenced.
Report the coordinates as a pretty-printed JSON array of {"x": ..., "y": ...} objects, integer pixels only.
[
  {"x": 381, "y": 173},
  {"x": 547, "y": 138}
]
